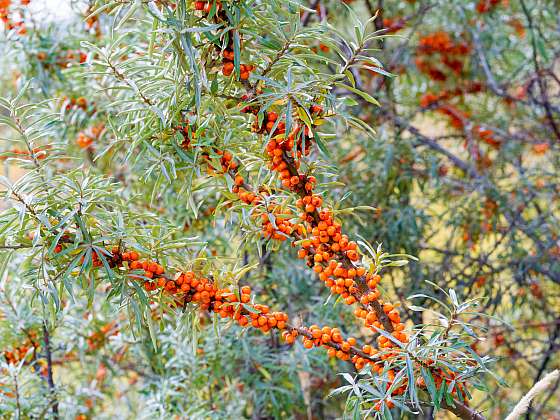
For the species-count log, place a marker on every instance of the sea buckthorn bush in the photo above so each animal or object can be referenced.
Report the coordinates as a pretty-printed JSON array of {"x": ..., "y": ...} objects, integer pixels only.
[{"x": 303, "y": 209}]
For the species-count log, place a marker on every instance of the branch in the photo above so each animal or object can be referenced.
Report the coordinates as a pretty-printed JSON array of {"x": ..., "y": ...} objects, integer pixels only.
[
  {"x": 50, "y": 379},
  {"x": 462, "y": 411},
  {"x": 432, "y": 144},
  {"x": 538, "y": 72},
  {"x": 307, "y": 14}
]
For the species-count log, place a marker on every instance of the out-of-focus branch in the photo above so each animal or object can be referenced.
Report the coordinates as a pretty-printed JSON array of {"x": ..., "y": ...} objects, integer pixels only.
[
  {"x": 462, "y": 411},
  {"x": 50, "y": 378}
]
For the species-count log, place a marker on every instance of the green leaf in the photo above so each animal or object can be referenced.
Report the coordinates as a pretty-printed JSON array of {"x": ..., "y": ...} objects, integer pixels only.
[{"x": 361, "y": 93}]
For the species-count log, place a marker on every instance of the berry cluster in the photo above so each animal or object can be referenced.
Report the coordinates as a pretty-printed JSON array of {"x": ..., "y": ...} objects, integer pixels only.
[
  {"x": 238, "y": 306},
  {"x": 227, "y": 53},
  {"x": 98, "y": 338},
  {"x": 150, "y": 271},
  {"x": 227, "y": 162},
  {"x": 206, "y": 6},
  {"x": 188, "y": 132},
  {"x": 486, "y": 6},
  {"x": 72, "y": 104},
  {"x": 456, "y": 117},
  {"x": 276, "y": 226},
  {"x": 333, "y": 258},
  {"x": 40, "y": 153},
  {"x": 276, "y": 222},
  {"x": 86, "y": 138},
  {"x": 451, "y": 55},
  {"x": 95, "y": 260},
  {"x": 83, "y": 141},
  {"x": 285, "y": 152},
  {"x": 206, "y": 294},
  {"x": 13, "y": 18},
  {"x": 441, "y": 42},
  {"x": 431, "y": 98},
  {"x": 62, "y": 60},
  {"x": 331, "y": 254},
  {"x": 337, "y": 346},
  {"x": 18, "y": 353},
  {"x": 329, "y": 337},
  {"x": 228, "y": 66},
  {"x": 393, "y": 25}
]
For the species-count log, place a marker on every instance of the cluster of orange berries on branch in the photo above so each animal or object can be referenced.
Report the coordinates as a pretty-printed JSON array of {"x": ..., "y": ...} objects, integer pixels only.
[
  {"x": 206, "y": 6},
  {"x": 95, "y": 260},
  {"x": 328, "y": 251},
  {"x": 13, "y": 18},
  {"x": 486, "y": 6},
  {"x": 486, "y": 135},
  {"x": 72, "y": 104},
  {"x": 441, "y": 42},
  {"x": 62, "y": 60},
  {"x": 93, "y": 22},
  {"x": 285, "y": 160},
  {"x": 97, "y": 339},
  {"x": 322, "y": 47},
  {"x": 393, "y": 25},
  {"x": 333, "y": 256},
  {"x": 228, "y": 60},
  {"x": 227, "y": 162},
  {"x": 199, "y": 290},
  {"x": 150, "y": 270},
  {"x": 323, "y": 250},
  {"x": 248, "y": 197},
  {"x": 371, "y": 319},
  {"x": 228, "y": 66},
  {"x": 188, "y": 132},
  {"x": 337, "y": 346},
  {"x": 276, "y": 222},
  {"x": 228, "y": 305},
  {"x": 451, "y": 55},
  {"x": 206, "y": 294},
  {"x": 327, "y": 337},
  {"x": 228, "y": 63},
  {"x": 540, "y": 148},
  {"x": 40, "y": 153},
  {"x": 281, "y": 228},
  {"x": 458, "y": 118},
  {"x": 18, "y": 353},
  {"x": 431, "y": 98},
  {"x": 86, "y": 138},
  {"x": 269, "y": 122}
]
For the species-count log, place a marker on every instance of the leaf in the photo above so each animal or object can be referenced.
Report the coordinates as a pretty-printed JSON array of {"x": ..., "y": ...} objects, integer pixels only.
[
  {"x": 236, "y": 53},
  {"x": 359, "y": 92},
  {"x": 321, "y": 145},
  {"x": 128, "y": 14},
  {"x": 431, "y": 385},
  {"x": 453, "y": 297},
  {"x": 203, "y": 28},
  {"x": 378, "y": 70},
  {"x": 350, "y": 76},
  {"x": 151, "y": 329}
]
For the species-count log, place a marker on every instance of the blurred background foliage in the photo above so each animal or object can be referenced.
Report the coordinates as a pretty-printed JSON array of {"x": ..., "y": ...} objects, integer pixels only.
[{"x": 462, "y": 172}]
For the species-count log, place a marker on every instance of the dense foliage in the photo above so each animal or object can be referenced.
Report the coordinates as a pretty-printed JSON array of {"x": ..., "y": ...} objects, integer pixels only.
[{"x": 372, "y": 185}]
